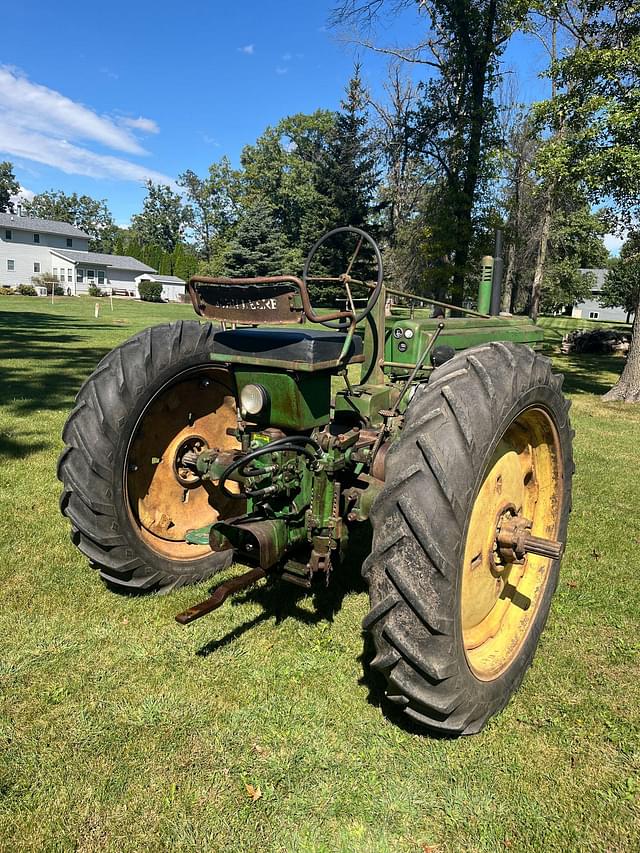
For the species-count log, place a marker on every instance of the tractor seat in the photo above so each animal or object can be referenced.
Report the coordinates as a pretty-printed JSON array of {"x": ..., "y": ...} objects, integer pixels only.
[{"x": 312, "y": 349}]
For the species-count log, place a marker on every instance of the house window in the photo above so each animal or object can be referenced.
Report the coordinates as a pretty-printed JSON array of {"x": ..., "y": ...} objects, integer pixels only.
[
  {"x": 91, "y": 274},
  {"x": 69, "y": 275},
  {"x": 593, "y": 315},
  {"x": 36, "y": 267},
  {"x": 100, "y": 276},
  {"x": 11, "y": 265},
  {"x": 79, "y": 275},
  {"x": 36, "y": 238},
  {"x": 55, "y": 272},
  {"x": 69, "y": 242},
  {"x": 7, "y": 234}
]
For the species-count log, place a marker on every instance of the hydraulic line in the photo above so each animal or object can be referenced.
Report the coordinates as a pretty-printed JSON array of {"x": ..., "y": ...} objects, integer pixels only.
[{"x": 293, "y": 443}]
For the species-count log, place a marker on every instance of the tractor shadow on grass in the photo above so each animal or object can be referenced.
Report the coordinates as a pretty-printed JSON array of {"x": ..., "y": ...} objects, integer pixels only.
[{"x": 282, "y": 600}]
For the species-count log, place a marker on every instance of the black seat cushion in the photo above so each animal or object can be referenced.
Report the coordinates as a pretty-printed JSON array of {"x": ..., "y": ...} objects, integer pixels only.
[{"x": 312, "y": 349}]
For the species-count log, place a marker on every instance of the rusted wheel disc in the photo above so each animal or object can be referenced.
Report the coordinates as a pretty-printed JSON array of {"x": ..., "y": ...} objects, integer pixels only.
[{"x": 166, "y": 499}]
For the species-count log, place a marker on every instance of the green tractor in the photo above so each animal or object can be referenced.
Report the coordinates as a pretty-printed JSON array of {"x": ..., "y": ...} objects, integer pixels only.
[{"x": 267, "y": 441}]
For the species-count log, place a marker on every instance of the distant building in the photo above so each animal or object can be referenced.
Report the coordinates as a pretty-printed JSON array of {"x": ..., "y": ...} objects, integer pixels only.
[
  {"x": 591, "y": 309},
  {"x": 30, "y": 247}
]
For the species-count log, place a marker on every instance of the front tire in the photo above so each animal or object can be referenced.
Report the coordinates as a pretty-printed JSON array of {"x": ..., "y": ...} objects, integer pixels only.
[
  {"x": 130, "y": 507},
  {"x": 454, "y": 630}
]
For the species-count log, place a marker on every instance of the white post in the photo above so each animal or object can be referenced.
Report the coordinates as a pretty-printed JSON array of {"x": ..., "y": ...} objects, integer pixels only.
[{"x": 97, "y": 310}]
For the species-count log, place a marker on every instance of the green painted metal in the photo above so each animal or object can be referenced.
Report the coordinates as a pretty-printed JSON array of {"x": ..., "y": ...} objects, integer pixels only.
[
  {"x": 296, "y": 402},
  {"x": 367, "y": 401},
  {"x": 484, "y": 288},
  {"x": 373, "y": 344},
  {"x": 459, "y": 333}
]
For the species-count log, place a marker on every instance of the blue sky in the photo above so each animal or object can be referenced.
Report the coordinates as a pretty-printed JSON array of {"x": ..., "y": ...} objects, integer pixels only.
[{"x": 94, "y": 97}]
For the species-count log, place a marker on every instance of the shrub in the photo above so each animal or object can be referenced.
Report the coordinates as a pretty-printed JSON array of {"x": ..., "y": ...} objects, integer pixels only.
[
  {"x": 94, "y": 290},
  {"x": 150, "y": 291},
  {"x": 26, "y": 290},
  {"x": 6, "y": 291}
]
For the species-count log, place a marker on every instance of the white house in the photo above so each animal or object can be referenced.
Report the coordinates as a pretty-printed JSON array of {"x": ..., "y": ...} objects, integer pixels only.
[
  {"x": 30, "y": 246},
  {"x": 591, "y": 309}
]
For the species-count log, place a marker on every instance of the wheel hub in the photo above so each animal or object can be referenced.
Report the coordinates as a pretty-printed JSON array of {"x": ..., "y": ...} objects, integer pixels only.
[{"x": 184, "y": 462}]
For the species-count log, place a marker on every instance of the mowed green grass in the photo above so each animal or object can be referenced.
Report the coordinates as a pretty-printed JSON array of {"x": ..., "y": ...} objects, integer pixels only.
[{"x": 122, "y": 731}]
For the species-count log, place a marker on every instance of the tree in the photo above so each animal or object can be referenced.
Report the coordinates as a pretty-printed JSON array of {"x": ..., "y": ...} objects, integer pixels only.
[
  {"x": 185, "y": 261},
  {"x": 88, "y": 214},
  {"x": 575, "y": 242},
  {"x": 282, "y": 170},
  {"x": 597, "y": 100},
  {"x": 347, "y": 174},
  {"x": 259, "y": 247},
  {"x": 9, "y": 187},
  {"x": 163, "y": 220},
  {"x": 456, "y": 127},
  {"x": 213, "y": 203},
  {"x": 622, "y": 284}
]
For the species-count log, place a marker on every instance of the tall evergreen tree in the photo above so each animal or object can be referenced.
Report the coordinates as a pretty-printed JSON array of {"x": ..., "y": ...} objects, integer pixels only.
[
  {"x": 348, "y": 174},
  {"x": 259, "y": 246}
]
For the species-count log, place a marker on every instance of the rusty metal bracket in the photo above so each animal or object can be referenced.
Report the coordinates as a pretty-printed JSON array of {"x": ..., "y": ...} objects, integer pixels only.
[{"x": 220, "y": 595}]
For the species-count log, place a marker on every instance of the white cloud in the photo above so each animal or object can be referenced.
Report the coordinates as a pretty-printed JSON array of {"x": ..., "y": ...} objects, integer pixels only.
[
  {"x": 249, "y": 49},
  {"x": 25, "y": 194},
  {"x": 36, "y": 107},
  {"x": 281, "y": 70},
  {"x": 44, "y": 126},
  {"x": 147, "y": 125},
  {"x": 287, "y": 57},
  {"x": 73, "y": 159}
]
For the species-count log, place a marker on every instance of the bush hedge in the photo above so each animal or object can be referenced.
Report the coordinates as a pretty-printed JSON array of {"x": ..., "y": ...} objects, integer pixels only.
[
  {"x": 26, "y": 290},
  {"x": 150, "y": 291}
]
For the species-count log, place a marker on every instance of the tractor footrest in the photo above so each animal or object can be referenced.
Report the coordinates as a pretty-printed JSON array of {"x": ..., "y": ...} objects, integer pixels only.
[{"x": 298, "y": 580}]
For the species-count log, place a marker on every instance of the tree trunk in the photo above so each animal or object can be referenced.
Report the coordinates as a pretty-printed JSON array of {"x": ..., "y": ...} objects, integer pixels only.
[
  {"x": 627, "y": 388},
  {"x": 507, "y": 288},
  {"x": 541, "y": 258}
]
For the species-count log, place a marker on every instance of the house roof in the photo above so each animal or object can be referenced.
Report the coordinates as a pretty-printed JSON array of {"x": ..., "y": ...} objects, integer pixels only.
[
  {"x": 165, "y": 279},
  {"x": 121, "y": 262},
  {"x": 599, "y": 276},
  {"x": 46, "y": 226}
]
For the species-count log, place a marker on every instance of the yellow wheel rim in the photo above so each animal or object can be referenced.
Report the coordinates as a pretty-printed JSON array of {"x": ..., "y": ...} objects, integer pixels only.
[
  {"x": 499, "y": 601},
  {"x": 163, "y": 505}
]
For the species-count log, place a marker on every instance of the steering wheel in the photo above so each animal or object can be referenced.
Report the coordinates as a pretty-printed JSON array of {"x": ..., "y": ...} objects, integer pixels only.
[{"x": 345, "y": 278}]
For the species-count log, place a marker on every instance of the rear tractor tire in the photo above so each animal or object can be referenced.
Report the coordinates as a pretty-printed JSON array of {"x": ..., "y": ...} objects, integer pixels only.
[
  {"x": 456, "y": 621},
  {"x": 129, "y": 500}
]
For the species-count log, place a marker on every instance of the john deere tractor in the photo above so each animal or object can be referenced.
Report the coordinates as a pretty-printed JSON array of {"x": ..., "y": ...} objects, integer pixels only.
[{"x": 268, "y": 437}]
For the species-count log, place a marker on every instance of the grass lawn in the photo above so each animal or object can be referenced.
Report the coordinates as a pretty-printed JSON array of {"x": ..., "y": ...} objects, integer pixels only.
[{"x": 121, "y": 731}]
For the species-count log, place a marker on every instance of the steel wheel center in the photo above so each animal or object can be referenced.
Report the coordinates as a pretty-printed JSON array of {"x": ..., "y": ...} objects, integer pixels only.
[{"x": 184, "y": 461}]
